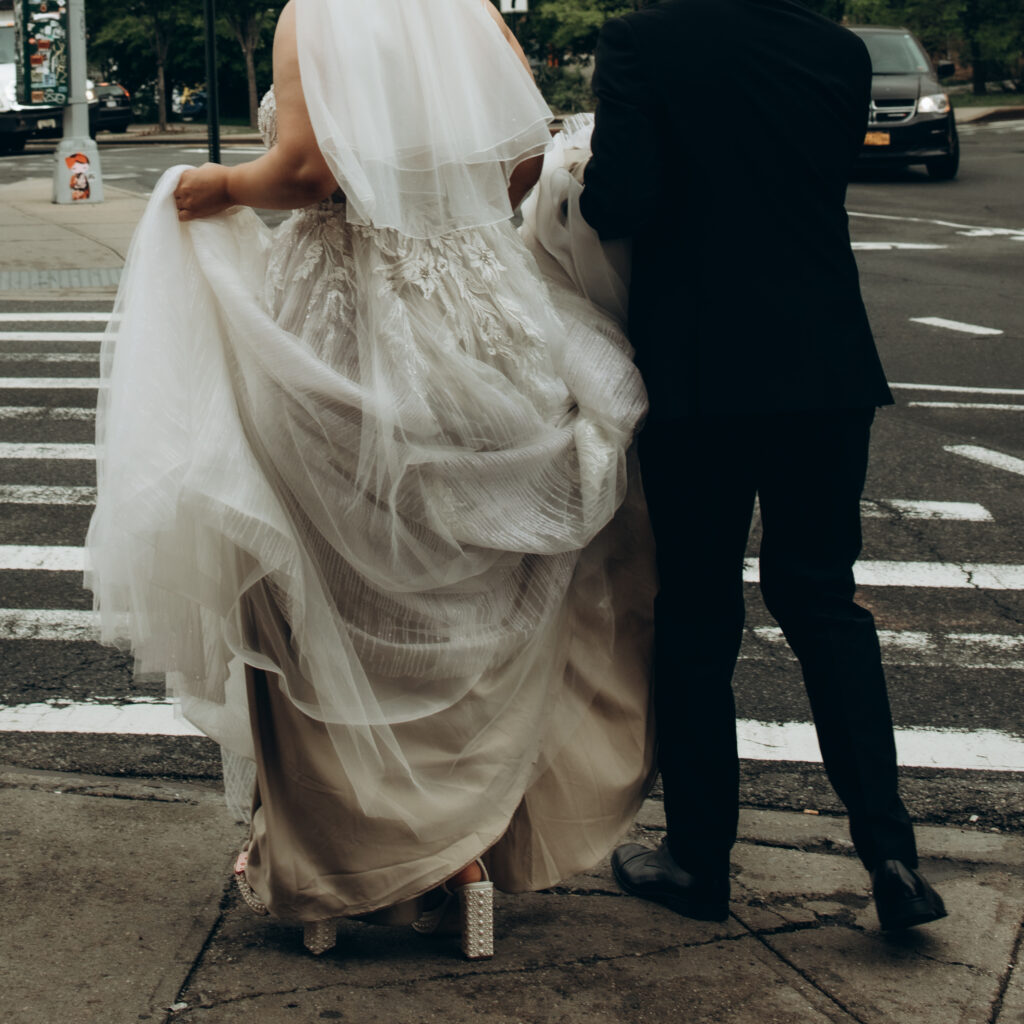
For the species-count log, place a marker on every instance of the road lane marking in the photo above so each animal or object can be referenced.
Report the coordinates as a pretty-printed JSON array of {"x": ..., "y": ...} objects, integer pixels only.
[
  {"x": 968, "y": 230},
  {"x": 49, "y": 357},
  {"x": 16, "y": 450},
  {"x": 920, "y": 649},
  {"x": 957, "y": 389},
  {"x": 156, "y": 718},
  {"x": 948, "y": 575},
  {"x": 70, "y": 318},
  {"x": 51, "y": 335},
  {"x": 46, "y": 413},
  {"x": 27, "y": 494},
  {"x": 47, "y": 624},
  {"x": 885, "y": 246},
  {"x": 987, "y": 457},
  {"x": 950, "y": 511},
  {"x": 44, "y": 558},
  {"x": 983, "y": 749},
  {"x": 954, "y": 325},
  {"x": 992, "y": 406},
  {"x": 49, "y": 383}
]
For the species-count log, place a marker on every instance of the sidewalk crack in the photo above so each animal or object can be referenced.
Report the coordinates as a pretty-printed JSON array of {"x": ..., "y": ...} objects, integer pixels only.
[{"x": 1007, "y": 976}]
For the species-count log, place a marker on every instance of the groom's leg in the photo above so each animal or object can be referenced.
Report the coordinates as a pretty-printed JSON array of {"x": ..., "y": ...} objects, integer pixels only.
[
  {"x": 699, "y": 481},
  {"x": 810, "y": 490}
]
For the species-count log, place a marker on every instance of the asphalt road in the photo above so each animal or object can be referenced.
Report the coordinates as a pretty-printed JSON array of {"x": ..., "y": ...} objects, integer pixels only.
[{"x": 944, "y": 502}]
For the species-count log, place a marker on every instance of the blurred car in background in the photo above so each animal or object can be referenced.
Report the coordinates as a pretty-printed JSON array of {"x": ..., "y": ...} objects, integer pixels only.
[
  {"x": 113, "y": 108},
  {"x": 911, "y": 118}
]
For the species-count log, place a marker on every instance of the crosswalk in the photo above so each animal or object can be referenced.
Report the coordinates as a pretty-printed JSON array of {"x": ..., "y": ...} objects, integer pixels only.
[{"x": 49, "y": 366}]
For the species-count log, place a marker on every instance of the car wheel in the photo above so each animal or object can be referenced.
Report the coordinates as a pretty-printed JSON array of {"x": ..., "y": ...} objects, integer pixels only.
[
  {"x": 12, "y": 145},
  {"x": 944, "y": 168}
]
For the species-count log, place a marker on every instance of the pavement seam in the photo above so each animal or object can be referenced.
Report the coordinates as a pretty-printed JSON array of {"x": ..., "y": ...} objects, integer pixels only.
[
  {"x": 80, "y": 234},
  {"x": 1007, "y": 976},
  {"x": 224, "y": 904},
  {"x": 587, "y": 961},
  {"x": 762, "y": 938}
]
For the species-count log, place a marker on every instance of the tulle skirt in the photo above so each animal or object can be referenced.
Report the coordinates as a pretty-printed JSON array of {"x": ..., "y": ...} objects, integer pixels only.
[{"x": 394, "y": 479}]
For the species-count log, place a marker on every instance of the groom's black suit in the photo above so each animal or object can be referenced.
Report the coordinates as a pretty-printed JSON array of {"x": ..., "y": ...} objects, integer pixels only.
[{"x": 725, "y": 135}]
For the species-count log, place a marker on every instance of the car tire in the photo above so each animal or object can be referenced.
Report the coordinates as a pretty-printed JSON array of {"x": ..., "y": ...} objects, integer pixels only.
[
  {"x": 12, "y": 145},
  {"x": 944, "y": 168}
]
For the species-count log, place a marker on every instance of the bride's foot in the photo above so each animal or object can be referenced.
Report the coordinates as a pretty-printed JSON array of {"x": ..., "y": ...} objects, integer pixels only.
[
  {"x": 472, "y": 892},
  {"x": 254, "y": 903}
]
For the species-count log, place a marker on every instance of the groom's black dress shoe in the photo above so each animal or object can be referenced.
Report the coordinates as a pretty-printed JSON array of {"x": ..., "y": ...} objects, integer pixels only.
[
  {"x": 903, "y": 898},
  {"x": 654, "y": 875}
]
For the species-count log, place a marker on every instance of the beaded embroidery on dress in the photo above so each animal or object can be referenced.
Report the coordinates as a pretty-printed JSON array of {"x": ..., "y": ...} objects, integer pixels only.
[{"x": 393, "y": 475}]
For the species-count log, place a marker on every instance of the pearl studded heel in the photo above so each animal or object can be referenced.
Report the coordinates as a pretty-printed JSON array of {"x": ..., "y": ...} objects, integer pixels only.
[
  {"x": 474, "y": 920},
  {"x": 252, "y": 901},
  {"x": 476, "y": 910},
  {"x": 320, "y": 936}
]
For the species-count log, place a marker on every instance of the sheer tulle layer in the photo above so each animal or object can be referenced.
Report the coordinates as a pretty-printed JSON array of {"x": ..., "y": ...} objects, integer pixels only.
[{"x": 385, "y": 471}]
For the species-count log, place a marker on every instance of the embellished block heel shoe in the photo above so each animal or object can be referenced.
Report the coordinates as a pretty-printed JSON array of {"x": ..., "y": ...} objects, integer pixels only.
[
  {"x": 252, "y": 901},
  {"x": 475, "y": 918},
  {"x": 320, "y": 936},
  {"x": 476, "y": 912}
]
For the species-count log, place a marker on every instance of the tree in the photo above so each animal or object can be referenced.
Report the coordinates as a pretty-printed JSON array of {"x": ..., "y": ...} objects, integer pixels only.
[{"x": 248, "y": 21}]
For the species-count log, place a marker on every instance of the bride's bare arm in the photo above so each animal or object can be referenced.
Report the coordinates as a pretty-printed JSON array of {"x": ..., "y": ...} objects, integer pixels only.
[
  {"x": 526, "y": 174},
  {"x": 291, "y": 174}
]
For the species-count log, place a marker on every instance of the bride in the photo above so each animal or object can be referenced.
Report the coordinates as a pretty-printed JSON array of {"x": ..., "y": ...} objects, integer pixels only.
[{"x": 378, "y": 459}]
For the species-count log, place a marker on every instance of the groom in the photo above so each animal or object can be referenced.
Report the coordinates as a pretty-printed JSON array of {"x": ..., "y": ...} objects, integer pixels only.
[{"x": 726, "y": 131}]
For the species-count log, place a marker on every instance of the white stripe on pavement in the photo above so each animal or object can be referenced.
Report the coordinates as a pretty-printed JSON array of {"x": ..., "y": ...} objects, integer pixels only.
[
  {"x": 957, "y": 389},
  {"x": 954, "y": 325},
  {"x": 48, "y": 383},
  {"x": 49, "y": 357},
  {"x": 156, "y": 718},
  {"x": 760, "y": 741},
  {"x": 73, "y": 318},
  {"x": 969, "y": 230},
  {"x": 987, "y": 457},
  {"x": 984, "y": 749},
  {"x": 28, "y": 494},
  {"x": 995, "y": 406},
  {"x": 923, "y": 650},
  {"x": 16, "y": 450},
  {"x": 950, "y": 511},
  {"x": 47, "y": 624},
  {"x": 48, "y": 558},
  {"x": 62, "y": 413},
  {"x": 884, "y": 246},
  {"x": 51, "y": 335},
  {"x": 969, "y": 575}
]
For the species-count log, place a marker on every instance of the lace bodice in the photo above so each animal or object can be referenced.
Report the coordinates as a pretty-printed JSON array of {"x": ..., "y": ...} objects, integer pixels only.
[{"x": 266, "y": 119}]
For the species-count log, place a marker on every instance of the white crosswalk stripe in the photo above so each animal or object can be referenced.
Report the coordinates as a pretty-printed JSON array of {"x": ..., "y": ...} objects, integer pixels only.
[{"x": 121, "y": 713}]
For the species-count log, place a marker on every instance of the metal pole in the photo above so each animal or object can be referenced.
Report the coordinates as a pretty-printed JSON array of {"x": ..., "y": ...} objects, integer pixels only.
[
  {"x": 77, "y": 177},
  {"x": 212, "y": 107}
]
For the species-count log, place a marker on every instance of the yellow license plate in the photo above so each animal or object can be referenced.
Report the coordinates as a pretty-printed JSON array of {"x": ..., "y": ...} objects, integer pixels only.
[{"x": 876, "y": 139}]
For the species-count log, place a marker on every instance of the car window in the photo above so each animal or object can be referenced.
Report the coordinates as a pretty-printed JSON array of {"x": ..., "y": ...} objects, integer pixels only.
[
  {"x": 109, "y": 90},
  {"x": 895, "y": 54}
]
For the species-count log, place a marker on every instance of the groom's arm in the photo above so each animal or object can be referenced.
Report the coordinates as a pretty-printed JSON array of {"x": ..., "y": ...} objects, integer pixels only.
[{"x": 620, "y": 192}]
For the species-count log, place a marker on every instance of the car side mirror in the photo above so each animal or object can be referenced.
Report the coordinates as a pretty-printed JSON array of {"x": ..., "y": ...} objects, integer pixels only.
[{"x": 945, "y": 69}]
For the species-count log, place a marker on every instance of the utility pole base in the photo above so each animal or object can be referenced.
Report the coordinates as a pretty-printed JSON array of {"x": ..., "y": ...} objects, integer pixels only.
[{"x": 76, "y": 172}]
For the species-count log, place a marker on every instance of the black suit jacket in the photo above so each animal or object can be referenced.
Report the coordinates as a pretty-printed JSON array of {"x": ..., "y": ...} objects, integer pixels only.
[{"x": 726, "y": 131}]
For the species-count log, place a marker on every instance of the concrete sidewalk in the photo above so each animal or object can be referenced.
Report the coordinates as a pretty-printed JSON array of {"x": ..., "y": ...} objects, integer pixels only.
[{"x": 118, "y": 907}]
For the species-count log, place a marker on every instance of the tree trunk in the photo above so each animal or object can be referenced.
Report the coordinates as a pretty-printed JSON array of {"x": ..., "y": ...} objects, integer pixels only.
[
  {"x": 161, "y": 96},
  {"x": 250, "y": 74}
]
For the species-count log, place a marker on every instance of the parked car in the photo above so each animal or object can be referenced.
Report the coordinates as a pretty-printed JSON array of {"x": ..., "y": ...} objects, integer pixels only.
[
  {"x": 113, "y": 108},
  {"x": 911, "y": 118}
]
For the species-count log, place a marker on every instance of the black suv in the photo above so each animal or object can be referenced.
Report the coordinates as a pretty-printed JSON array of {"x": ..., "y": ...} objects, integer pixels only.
[
  {"x": 114, "y": 109},
  {"x": 911, "y": 118}
]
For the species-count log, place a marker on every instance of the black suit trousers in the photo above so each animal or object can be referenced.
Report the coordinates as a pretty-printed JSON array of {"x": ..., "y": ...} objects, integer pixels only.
[{"x": 701, "y": 475}]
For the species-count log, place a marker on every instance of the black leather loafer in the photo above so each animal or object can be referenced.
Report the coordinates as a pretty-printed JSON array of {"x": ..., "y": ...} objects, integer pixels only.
[
  {"x": 903, "y": 898},
  {"x": 654, "y": 875}
]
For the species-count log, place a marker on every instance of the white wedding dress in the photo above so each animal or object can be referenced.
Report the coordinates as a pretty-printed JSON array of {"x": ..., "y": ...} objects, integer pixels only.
[{"x": 392, "y": 476}]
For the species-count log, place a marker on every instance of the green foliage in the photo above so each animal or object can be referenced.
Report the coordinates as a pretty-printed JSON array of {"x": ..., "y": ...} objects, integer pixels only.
[{"x": 566, "y": 89}]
